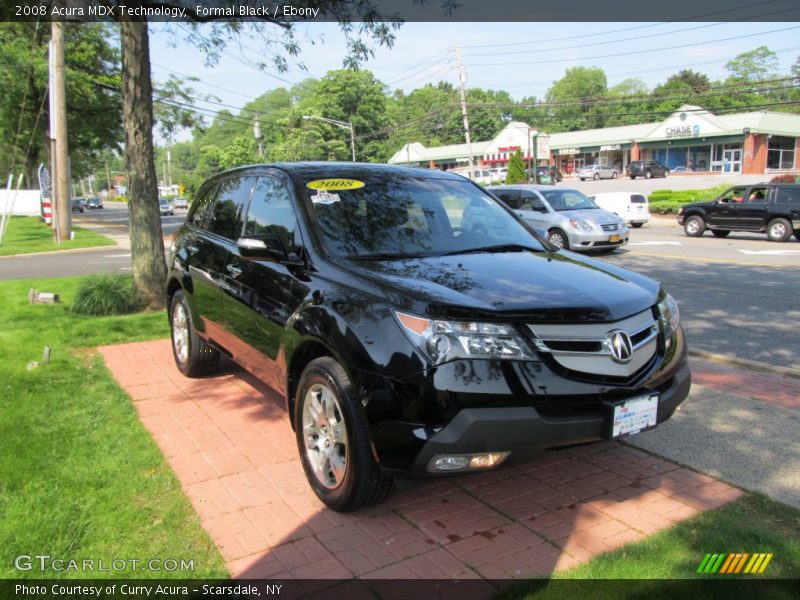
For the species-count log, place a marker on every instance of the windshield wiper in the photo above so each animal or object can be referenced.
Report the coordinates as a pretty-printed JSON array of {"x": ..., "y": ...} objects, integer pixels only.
[
  {"x": 382, "y": 256},
  {"x": 495, "y": 248}
]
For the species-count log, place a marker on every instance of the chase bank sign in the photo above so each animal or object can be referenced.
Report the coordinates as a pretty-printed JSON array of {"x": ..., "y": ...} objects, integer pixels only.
[{"x": 682, "y": 131}]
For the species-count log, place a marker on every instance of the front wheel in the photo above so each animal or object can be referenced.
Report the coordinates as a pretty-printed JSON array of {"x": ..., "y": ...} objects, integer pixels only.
[
  {"x": 779, "y": 230},
  {"x": 193, "y": 356},
  {"x": 333, "y": 439},
  {"x": 613, "y": 175},
  {"x": 694, "y": 226},
  {"x": 596, "y": 176},
  {"x": 720, "y": 233},
  {"x": 648, "y": 175},
  {"x": 559, "y": 239}
]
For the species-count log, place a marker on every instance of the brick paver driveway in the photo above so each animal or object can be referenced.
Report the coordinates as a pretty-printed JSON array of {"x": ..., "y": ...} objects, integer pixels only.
[{"x": 229, "y": 441}]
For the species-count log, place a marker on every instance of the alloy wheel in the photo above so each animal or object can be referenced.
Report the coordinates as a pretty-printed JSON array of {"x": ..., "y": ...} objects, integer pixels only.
[
  {"x": 180, "y": 332},
  {"x": 325, "y": 436}
]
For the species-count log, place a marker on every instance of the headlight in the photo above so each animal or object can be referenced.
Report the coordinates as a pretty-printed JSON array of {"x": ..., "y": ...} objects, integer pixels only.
[
  {"x": 668, "y": 316},
  {"x": 581, "y": 225},
  {"x": 442, "y": 341}
]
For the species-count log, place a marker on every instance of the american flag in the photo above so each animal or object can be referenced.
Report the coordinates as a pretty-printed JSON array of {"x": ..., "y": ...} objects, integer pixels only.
[{"x": 44, "y": 181}]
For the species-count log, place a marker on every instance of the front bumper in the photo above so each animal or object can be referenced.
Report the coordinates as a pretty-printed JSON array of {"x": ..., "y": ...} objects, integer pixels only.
[
  {"x": 593, "y": 240},
  {"x": 524, "y": 432}
]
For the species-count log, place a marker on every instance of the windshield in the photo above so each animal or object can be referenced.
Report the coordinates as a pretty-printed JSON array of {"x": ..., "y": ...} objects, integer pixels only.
[
  {"x": 399, "y": 217},
  {"x": 560, "y": 200}
]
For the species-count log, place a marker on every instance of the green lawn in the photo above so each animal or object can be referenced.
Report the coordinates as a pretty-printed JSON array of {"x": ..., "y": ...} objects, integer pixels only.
[
  {"x": 79, "y": 475},
  {"x": 29, "y": 234},
  {"x": 752, "y": 524}
]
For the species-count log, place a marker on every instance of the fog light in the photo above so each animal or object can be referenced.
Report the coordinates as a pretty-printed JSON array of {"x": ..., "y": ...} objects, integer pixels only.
[{"x": 462, "y": 462}]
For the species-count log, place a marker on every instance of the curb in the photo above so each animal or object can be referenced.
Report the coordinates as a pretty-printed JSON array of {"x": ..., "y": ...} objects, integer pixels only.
[
  {"x": 113, "y": 246},
  {"x": 753, "y": 365}
]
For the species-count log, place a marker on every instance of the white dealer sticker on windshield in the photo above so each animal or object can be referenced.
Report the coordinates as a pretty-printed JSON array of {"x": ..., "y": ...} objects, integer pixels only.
[{"x": 324, "y": 197}]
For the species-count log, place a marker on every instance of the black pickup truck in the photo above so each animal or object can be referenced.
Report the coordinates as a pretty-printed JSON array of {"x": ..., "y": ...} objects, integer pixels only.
[{"x": 763, "y": 207}]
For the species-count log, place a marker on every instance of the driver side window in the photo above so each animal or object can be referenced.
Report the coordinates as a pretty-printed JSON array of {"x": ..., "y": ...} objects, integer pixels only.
[
  {"x": 532, "y": 202},
  {"x": 733, "y": 195}
]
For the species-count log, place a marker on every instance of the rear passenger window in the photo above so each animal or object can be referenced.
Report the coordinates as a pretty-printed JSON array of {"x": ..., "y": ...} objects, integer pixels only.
[
  {"x": 787, "y": 195},
  {"x": 228, "y": 216},
  {"x": 638, "y": 199},
  {"x": 201, "y": 207},
  {"x": 510, "y": 197},
  {"x": 272, "y": 212}
]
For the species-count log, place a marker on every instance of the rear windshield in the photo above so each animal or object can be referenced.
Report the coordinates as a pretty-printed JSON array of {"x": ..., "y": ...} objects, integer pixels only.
[
  {"x": 399, "y": 217},
  {"x": 638, "y": 199}
]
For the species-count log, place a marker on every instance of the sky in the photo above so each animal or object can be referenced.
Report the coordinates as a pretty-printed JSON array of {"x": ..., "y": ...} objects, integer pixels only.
[{"x": 522, "y": 58}]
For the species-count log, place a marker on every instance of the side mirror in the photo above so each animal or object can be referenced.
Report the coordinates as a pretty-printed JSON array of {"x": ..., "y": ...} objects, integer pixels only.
[{"x": 268, "y": 246}]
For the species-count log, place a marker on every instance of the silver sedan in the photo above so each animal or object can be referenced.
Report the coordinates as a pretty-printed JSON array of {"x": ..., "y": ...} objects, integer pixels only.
[{"x": 596, "y": 172}]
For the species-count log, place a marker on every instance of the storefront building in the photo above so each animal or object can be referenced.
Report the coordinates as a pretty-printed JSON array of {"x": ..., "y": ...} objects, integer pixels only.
[{"x": 691, "y": 140}]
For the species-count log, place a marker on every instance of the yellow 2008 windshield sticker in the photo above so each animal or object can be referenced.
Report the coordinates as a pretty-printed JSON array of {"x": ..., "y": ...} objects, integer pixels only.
[{"x": 337, "y": 185}]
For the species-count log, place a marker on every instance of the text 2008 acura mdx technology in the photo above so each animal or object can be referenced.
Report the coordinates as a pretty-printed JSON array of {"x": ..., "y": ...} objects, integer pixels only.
[{"x": 413, "y": 323}]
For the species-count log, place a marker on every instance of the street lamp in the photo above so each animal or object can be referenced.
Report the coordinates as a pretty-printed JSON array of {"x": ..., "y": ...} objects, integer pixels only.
[{"x": 342, "y": 124}]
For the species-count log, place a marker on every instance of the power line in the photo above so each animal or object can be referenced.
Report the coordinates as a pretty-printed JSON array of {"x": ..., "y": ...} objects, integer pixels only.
[{"x": 637, "y": 52}]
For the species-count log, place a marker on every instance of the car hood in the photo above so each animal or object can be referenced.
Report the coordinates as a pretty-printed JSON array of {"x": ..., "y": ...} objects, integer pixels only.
[
  {"x": 539, "y": 286},
  {"x": 594, "y": 215}
]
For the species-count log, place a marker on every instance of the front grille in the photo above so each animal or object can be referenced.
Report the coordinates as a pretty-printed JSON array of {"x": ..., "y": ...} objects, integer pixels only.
[
  {"x": 587, "y": 349},
  {"x": 610, "y": 226}
]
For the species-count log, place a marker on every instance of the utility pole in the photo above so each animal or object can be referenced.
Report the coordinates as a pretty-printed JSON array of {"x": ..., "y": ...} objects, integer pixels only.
[
  {"x": 59, "y": 123},
  {"x": 462, "y": 81}
]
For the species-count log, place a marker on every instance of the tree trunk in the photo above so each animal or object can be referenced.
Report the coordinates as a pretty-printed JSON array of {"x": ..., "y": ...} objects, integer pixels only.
[{"x": 147, "y": 245}]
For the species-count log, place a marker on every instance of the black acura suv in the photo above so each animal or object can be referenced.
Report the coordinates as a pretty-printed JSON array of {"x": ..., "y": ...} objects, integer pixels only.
[{"x": 413, "y": 323}]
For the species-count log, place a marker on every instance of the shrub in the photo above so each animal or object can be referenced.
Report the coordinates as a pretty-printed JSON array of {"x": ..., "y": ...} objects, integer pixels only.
[
  {"x": 105, "y": 294},
  {"x": 785, "y": 178},
  {"x": 516, "y": 169},
  {"x": 669, "y": 201}
]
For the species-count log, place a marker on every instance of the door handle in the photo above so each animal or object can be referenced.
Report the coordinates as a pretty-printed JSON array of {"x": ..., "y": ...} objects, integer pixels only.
[
  {"x": 233, "y": 270},
  {"x": 192, "y": 248}
]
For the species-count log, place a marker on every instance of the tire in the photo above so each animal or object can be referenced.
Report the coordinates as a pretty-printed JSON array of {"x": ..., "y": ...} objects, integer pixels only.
[
  {"x": 193, "y": 356},
  {"x": 720, "y": 233},
  {"x": 694, "y": 226},
  {"x": 613, "y": 175},
  {"x": 648, "y": 175},
  {"x": 666, "y": 173},
  {"x": 582, "y": 179},
  {"x": 636, "y": 225},
  {"x": 326, "y": 391},
  {"x": 779, "y": 230},
  {"x": 596, "y": 176},
  {"x": 633, "y": 176},
  {"x": 797, "y": 235},
  {"x": 558, "y": 238}
]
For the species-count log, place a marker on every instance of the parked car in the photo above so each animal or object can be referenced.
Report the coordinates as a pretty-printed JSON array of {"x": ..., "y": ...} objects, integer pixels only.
[
  {"x": 94, "y": 202},
  {"x": 632, "y": 207},
  {"x": 77, "y": 205},
  {"x": 165, "y": 207},
  {"x": 543, "y": 175},
  {"x": 596, "y": 171},
  {"x": 499, "y": 174},
  {"x": 646, "y": 169},
  {"x": 572, "y": 221},
  {"x": 763, "y": 207},
  {"x": 180, "y": 202},
  {"x": 413, "y": 323},
  {"x": 477, "y": 174}
]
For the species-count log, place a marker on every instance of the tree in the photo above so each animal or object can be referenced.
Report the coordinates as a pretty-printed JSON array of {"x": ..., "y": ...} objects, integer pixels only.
[
  {"x": 357, "y": 21},
  {"x": 93, "y": 103},
  {"x": 516, "y": 169},
  {"x": 756, "y": 65},
  {"x": 574, "y": 99}
]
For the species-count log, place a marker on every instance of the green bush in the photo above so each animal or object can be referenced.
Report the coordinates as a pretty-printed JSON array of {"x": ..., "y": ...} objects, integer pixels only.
[
  {"x": 665, "y": 202},
  {"x": 516, "y": 169},
  {"x": 105, "y": 294}
]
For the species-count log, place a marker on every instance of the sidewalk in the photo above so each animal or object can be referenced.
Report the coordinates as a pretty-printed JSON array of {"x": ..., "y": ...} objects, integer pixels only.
[
  {"x": 739, "y": 425},
  {"x": 230, "y": 444}
]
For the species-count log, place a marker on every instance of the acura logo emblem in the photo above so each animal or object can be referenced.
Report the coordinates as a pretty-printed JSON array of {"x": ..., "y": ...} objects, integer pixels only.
[{"x": 619, "y": 344}]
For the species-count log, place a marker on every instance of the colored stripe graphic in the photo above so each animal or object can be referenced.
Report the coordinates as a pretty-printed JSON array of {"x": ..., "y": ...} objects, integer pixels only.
[{"x": 734, "y": 562}]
